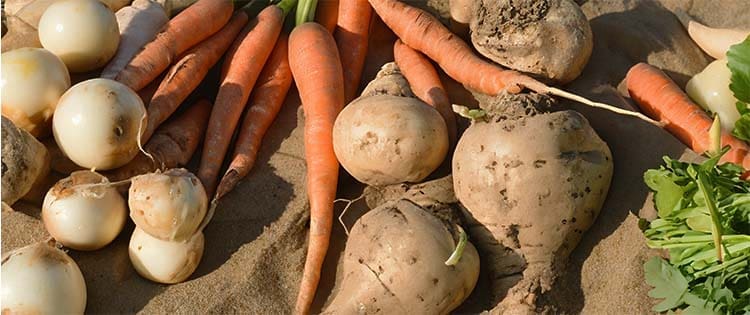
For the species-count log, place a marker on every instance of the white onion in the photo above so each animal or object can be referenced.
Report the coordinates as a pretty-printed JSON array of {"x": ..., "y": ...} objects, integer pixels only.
[
  {"x": 33, "y": 79},
  {"x": 83, "y": 33},
  {"x": 165, "y": 261},
  {"x": 96, "y": 124},
  {"x": 84, "y": 218},
  {"x": 169, "y": 205},
  {"x": 41, "y": 279}
]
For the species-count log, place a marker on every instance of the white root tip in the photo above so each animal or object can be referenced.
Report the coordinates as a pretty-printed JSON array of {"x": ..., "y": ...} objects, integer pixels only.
[
  {"x": 614, "y": 109},
  {"x": 348, "y": 204}
]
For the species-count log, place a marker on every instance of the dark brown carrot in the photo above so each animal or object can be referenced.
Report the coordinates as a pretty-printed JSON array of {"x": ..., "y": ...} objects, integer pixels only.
[
  {"x": 265, "y": 102},
  {"x": 172, "y": 145},
  {"x": 316, "y": 67},
  {"x": 189, "y": 27}
]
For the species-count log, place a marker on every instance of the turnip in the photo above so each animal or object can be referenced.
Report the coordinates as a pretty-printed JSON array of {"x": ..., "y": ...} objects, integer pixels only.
[
  {"x": 33, "y": 79},
  {"x": 551, "y": 39},
  {"x": 41, "y": 279},
  {"x": 83, "y": 33},
  {"x": 532, "y": 184},
  {"x": 385, "y": 138},
  {"x": 97, "y": 124},
  {"x": 710, "y": 89},
  {"x": 25, "y": 162},
  {"x": 165, "y": 261},
  {"x": 395, "y": 262},
  {"x": 169, "y": 206},
  {"x": 714, "y": 41},
  {"x": 82, "y": 216}
]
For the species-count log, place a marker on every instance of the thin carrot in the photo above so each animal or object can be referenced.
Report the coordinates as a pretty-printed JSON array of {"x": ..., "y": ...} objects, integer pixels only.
[
  {"x": 423, "y": 32},
  {"x": 352, "y": 37},
  {"x": 190, "y": 27},
  {"x": 172, "y": 145},
  {"x": 660, "y": 98},
  {"x": 425, "y": 83},
  {"x": 188, "y": 72},
  {"x": 316, "y": 67},
  {"x": 327, "y": 14},
  {"x": 241, "y": 68},
  {"x": 265, "y": 102}
]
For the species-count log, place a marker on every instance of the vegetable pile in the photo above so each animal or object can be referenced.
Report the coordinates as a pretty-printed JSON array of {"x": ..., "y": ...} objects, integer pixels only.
[{"x": 526, "y": 181}]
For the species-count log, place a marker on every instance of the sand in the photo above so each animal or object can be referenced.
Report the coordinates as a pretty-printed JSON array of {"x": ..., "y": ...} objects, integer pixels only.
[{"x": 255, "y": 244}]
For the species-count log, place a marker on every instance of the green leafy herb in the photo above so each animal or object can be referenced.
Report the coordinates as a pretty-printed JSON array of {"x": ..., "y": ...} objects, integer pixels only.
[
  {"x": 704, "y": 210},
  {"x": 738, "y": 61}
]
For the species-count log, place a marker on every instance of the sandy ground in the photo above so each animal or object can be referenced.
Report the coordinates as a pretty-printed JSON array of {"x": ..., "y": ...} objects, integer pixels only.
[{"x": 255, "y": 244}]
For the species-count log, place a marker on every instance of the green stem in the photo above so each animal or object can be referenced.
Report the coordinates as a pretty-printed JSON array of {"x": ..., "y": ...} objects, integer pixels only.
[
  {"x": 456, "y": 255},
  {"x": 715, "y": 137},
  {"x": 287, "y": 6},
  {"x": 722, "y": 266},
  {"x": 306, "y": 11},
  {"x": 705, "y": 187}
]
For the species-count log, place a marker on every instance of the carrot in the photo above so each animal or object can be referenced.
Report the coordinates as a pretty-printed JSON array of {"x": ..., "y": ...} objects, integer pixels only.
[
  {"x": 241, "y": 68},
  {"x": 425, "y": 83},
  {"x": 138, "y": 23},
  {"x": 316, "y": 68},
  {"x": 188, "y": 72},
  {"x": 660, "y": 98},
  {"x": 265, "y": 102},
  {"x": 423, "y": 32},
  {"x": 188, "y": 28},
  {"x": 172, "y": 145},
  {"x": 351, "y": 37},
  {"x": 327, "y": 14}
]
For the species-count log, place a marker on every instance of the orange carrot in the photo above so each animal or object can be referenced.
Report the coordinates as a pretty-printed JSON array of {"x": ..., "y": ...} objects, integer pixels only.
[
  {"x": 265, "y": 102},
  {"x": 316, "y": 68},
  {"x": 327, "y": 13},
  {"x": 425, "y": 83},
  {"x": 188, "y": 73},
  {"x": 351, "y": 37},
  {"x": 241, "y": 68},
  {"x": 188, "y": 28},
  {"x": 172, "y": 145},
  {"x": 423, "y": 32},
  {"x": 660, "y": 98}
]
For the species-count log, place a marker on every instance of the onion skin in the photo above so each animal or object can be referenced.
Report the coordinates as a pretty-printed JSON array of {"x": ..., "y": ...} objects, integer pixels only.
[
  {"x": 84, "y": 219},
  {"x": 41, "y": 279}
]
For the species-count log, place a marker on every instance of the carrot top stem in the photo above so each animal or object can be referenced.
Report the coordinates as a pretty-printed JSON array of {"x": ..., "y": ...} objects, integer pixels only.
[
  {"x": 287, "y": 6},
  {"x": 306, "y": 11}
]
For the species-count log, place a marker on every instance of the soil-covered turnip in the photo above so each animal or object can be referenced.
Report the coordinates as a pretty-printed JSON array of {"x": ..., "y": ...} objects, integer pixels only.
[
  {"x": 25, "y": 162},
  {"x": 530, "y": 190},
  {"x": 551, "y": 39},
  {"x": 395, "y": 263},
  {"x": 387, "y": 136}
]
